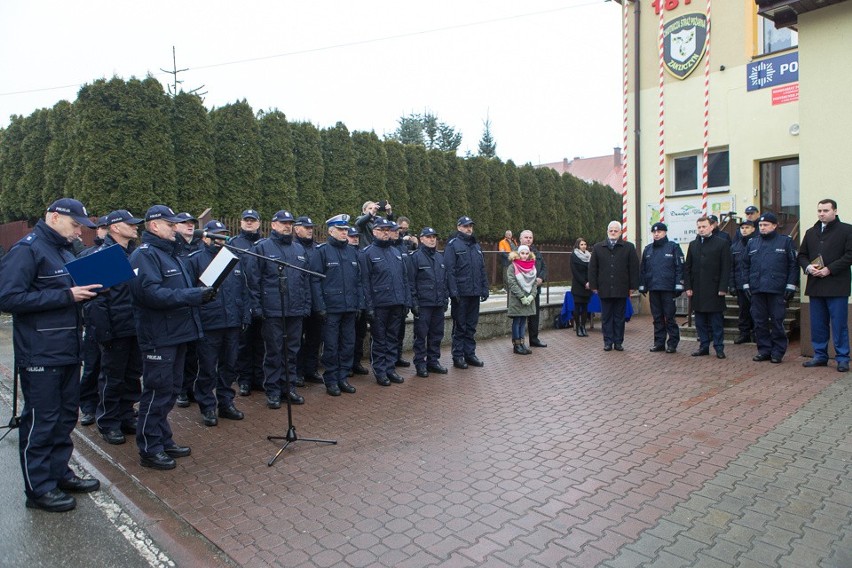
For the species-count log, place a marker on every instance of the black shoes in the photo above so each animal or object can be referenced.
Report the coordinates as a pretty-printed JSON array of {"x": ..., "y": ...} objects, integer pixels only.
[
  {"x": 720, "y": 355},
  {"x": 383, "y": 381},
  {"x": 295, "y": 398},
  {"x": 402, "y": 363},
  {"x": 437, "y": 368},
  {"x": 299, "y": 382},
  {"x": 843, "y": 367},
  {"x": 161, "y": 461},
  {"x": 618, "y": 347},
  {"x": 360, "y": 369},
  {"x": 231, "y": 413},
  {"x": 474, "y": 361},
  {"x": 314, "y": 377},
  {"x": 520, "y": 348},
  {"x": 775, "y": 360},
  {"x": 671, "y": 349},
  {"x": 273, "y": 402},
  {"x": 760, "y": 357},
  {"x": 87, "y": 418},
  {"x": 182, "y": 400},
  {"x": 178, "y": 451},
  {"x": 818, "y": 363},
  {"x": 657, "y": 349},
  {"x": 421, "y": 371},
  {"x": 54, "y": 501},
  {"x": 536, "y": 342},
  {"x": 209, "y": 418},
  {"x": 608, "y": 347},
  {"x": 79, "y": 485},
  {"x": 128, "y": 428},
  {"x": 459, "y": 363},
  {"x": 332, "y": 389},
  {"x": 344, "y": 386},
  {"x": 245, "y": 390},
  {"x": 114, "y": 437},
  {"x": 395, "y": 378},
  {"x": 700, "y": 353},
  {"x": 742, "y": 339}
]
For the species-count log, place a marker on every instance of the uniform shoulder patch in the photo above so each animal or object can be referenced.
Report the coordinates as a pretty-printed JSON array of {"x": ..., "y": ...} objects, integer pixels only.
[{"x": 28, "y": 240}]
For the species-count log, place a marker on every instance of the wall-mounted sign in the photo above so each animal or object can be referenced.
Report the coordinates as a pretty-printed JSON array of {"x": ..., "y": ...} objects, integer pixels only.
[
  {"x": 684, "y": 43},
  {"x": 773, "y": 71},
  {"x": 785, "y": 94},
  {"x": 681, "y": 215}
]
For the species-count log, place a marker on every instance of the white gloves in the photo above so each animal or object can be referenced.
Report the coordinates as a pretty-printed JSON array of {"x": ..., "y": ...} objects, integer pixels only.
[{"x": 527, "y": 300}]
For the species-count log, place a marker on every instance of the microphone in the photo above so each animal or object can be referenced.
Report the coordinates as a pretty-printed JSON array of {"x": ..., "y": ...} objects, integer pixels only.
[{"x": 198, "y": 233}]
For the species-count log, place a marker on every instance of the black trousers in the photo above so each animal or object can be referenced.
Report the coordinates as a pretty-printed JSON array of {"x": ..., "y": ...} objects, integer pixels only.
[
  {"x": 217, "y": 358},
  {"x": 276, "y": 377},
  {"x": 663, "y": 311},
  {"x": 612, "y": 320},
  {"x": 119, "y": 387},
  {"x": 385, "y": 330},
  {"x": 91, "y": 372},
  {"x": 338, "y": 336},
  {"x": 465, "y": 313},
  {"x": 745, "y": 323},
  {"x": 428, "y": 335},
  {"x": 250, "y": 355},
  {"x": 532, "y": 321},
  {"x": 162, "y": 372},
  {"x": 307, "y": 361}
]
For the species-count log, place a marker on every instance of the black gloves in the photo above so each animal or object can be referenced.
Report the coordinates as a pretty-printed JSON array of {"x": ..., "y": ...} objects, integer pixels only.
[
  {"x": 371, "y": 315},
  {"x": 207, "y": 295},
  {"x": 415, "y": 310},
  {"x": 789, "y": 295},
  {"x": 732, "y": 290},
  {"x": 678, "y": 294},
  {"x": 483, "y": 298},
  {"x": 323, "y": 315},
  {"x": 747, "y": 294}
]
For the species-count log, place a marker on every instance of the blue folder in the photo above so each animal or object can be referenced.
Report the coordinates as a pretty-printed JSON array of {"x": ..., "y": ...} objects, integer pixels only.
[{"x": 106, "y": 267}]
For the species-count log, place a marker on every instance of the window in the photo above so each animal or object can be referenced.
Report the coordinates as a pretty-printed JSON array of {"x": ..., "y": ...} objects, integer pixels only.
[
  {"x": 770, "y": 39},
  {"x": 687, "y": 173}
]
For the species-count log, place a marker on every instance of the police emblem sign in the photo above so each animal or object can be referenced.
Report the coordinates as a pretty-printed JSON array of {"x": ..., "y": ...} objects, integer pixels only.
[{"x": 684, "y": 43}]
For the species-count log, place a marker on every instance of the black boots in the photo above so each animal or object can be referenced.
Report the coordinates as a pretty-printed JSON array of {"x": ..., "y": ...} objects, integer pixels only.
[
  {"x": 520, "y": 348},
  {"x": 580, "y": 327}
]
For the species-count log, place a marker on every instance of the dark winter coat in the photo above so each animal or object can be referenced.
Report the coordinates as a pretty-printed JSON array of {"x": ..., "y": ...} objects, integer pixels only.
[
  {"x": 614, "y": 272},
  {"x": 835, "y": 246},
  {"x": 428, "y": 278},
  {"x": 465, "y": 267},
  {"x": 770, "y": 263},
  {"x": 263, "y": 278},
  {"x": 661, "y": 269},
  {"x": 230, "y": 307},
  {"x": 111, "y": 311},
  {"x": 340, "y": 291},
  {"x": 384, "y": 276},
  {"x": 739, "y": 276},
  {"x": 579, "y": 279},
  {"x": 706, "y": 272}
]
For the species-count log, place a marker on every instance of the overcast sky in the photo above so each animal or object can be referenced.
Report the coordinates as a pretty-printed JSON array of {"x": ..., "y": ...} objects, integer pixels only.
[{"x": 546, "y": 72}]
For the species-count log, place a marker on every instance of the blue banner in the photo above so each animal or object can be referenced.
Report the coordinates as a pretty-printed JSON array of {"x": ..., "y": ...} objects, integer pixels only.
[{"x": 773, "y": 71}]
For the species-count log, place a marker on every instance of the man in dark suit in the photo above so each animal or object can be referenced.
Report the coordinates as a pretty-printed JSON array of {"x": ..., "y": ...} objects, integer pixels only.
[
  {"x": 706, "y": 274},
  {"x": 825, "y": 256},
  {"x": 614, "y": 275}
]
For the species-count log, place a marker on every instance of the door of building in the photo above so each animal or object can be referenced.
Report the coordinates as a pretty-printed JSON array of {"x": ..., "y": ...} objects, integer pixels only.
[{"x": 779, "y": 193}]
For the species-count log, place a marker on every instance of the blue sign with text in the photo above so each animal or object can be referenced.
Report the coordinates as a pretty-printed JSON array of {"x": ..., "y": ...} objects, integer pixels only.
[{"x": 773, "y": 71}]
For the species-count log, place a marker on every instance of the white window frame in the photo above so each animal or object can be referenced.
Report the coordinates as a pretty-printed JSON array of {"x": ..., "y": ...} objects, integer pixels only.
[
  {"x": 763, "y": 25},
  {"x": 697, "y": 156}
]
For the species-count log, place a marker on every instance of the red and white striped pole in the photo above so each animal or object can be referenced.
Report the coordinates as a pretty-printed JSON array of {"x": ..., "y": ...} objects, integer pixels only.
[
  {"x": 661, "y": 131},
  {"x": 624, "y": 14},
  {"x": 706, "y": 153}
]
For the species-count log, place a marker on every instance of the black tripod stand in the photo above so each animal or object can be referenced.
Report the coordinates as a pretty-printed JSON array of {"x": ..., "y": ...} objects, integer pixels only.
[
  {"x": 291, "y": 435},
  {"x": 15, "y": 420}
]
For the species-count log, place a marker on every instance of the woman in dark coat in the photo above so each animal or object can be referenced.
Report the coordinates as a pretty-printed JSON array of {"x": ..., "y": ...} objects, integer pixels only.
[{"x": 580, "y": 285}]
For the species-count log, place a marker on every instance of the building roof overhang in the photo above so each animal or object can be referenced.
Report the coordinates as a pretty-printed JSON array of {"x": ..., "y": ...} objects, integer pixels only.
[{"x": 785, "y": 13}]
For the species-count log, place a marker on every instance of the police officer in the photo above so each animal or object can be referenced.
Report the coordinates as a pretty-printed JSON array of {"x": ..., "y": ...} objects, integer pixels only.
[
  {"x": 661, "y": 277},
  {"x": 353, "y": 236},
  {"x": 386, "y": 295},
  {"x": 773, "y": 273},
  {"x": 404, "y": 249},
  {"x": 716, "y": 231},
  {"x": 739, "y": 277},
  {"x": 468, "y": 286},
  {"x": 187, "y": 243},
  {"x": 282, "y": 297},
  {"x": 307, "y": 362},
  {"x": 337, "y": 299},
  {"x": 221, "y": 319},
  {"x": 428, "y": 280},
  {"x": 167, "y": 319},
  {"x": 752, "y": 213},
  {"x": 115, "y": 330},
  {"x": 91, "y": 352},
  {"x": 250, "y": 354},
  {"x": 37, "y": 290}
]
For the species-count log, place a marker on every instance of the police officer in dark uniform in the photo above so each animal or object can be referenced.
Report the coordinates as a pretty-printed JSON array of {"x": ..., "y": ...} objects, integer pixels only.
[
  {"x": 404, "y": 249},
  {"x": 468, "y": 286},
  {"x": 752, "y": 213},
  {"x": 308, "y": 360},
  {"x": 283, "y": 306},
  {"x": 167, "y": 319},
  {"x": 773, "y": 273},
  {"x": 221, "y": 319},
  {"x": 428, "y": 280},
  {"x": 115, "y": 330},
  {"x": 91, "y": 352},
  {"x": 187, "y": 243},
  {"x": 739, "y": 277},
  {"x": 337, "y": 298},
  {"x": 353, "y": 236},
  {"x": 717, "y": 232},
  {"x": 250, "y": 355},
  {"x": 37, "y": 290},
  {"x": 386, "y": 295},
  {"x": 661, "y": 277}
]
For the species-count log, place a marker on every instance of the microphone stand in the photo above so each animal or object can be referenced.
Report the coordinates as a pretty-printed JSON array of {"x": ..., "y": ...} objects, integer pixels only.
[
  {"x": 291, "y": 436},
  {"x": 15, "y": 420}
]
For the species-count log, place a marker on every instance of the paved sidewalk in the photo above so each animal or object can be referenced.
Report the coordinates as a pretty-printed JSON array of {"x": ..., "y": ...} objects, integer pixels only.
[{"x": 569, "y": 457}]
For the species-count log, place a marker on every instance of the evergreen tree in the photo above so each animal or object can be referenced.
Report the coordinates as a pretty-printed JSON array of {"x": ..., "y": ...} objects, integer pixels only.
[
  {"x": 440, "y": 192},
  {"x": 371, "y": 169},
  {"x": 487, "y": 145},
  {"x": 479, "y": 196},
  {"x": 518, "y": 221},
  {"x": 278, "y": 168},
  {"x": 236, "y": 152},
  {"x": 428, "y": 131},
  {"x": 338, "y": 180},
  {"x": 195, "y": 170},
  {"x": 307, "y": 150},
  {"x": 503, "y": 211},
  {"x": 548, "y": 181},
  {"x": 397, "y": 178},
  {"x": 34, "y": 154},
  {"x": 60, "y": 151},
  {"x": 419, "y": 191},
  {"x": 12, "y": 163},
  {"x": 528, "y": 183},
  {"x": 458, "y": 194}
]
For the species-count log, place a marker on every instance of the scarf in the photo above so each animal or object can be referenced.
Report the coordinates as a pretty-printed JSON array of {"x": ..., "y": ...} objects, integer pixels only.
[
  {"x": 584, "y": 256},
  {"x": 525, "y": 274}
]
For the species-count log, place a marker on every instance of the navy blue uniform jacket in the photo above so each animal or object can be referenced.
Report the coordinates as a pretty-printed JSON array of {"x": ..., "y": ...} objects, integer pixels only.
[
  {"x": 428, "y": 278},
  {"x": 111, "y": 311},
  {"x": 164, "y": 299},
  {"x": 661, "y": 269},
  {"x": 770, "y": 263},
  {"x": 384, "y": 276},
  {"x": 35, "y": 288},
  {"x": 465, "y": 267},
  {"x": 340, "y": 290},
  {"x": 230, "y": 307},
  {"x": 264, "y": 282}
]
